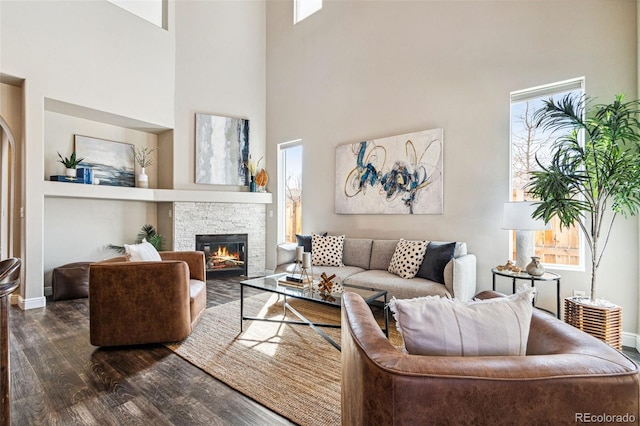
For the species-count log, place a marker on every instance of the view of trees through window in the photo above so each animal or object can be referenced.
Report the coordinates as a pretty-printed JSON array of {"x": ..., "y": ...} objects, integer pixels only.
[
  {"x": 292, "y": 168},
  {"x": 530, "y": 145}
]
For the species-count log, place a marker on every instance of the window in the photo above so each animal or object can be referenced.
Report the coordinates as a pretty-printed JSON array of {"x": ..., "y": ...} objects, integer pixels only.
[
  {"x": 290, "y": 191},
  {"x": 555, "y": 247},
  {"x": 153, "y": 11},
  {"x": 304, "y": 8}
]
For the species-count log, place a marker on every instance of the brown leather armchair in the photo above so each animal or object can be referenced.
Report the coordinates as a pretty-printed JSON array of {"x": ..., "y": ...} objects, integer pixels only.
[
  {"x": 566, "y": 376},
  {"x": 134, "y": 303}
]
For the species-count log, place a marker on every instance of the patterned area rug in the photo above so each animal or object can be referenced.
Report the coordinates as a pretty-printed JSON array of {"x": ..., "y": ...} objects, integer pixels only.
[{"x": 289, "y": 369}]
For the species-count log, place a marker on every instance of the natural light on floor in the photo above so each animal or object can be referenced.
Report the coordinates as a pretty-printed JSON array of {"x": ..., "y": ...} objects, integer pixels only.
[{"x": 261, "y": 335}]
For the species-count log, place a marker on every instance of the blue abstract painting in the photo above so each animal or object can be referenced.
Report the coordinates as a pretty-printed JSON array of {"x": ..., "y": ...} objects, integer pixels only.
[
  {"x": 393, "y": 175},
  {"x": 112, "y": 163}
]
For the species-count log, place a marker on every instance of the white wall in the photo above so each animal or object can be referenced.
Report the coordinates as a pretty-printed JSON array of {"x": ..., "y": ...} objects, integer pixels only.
[
  {"x": 220, "y": 70},
  {"x": 366, "y": 69}
]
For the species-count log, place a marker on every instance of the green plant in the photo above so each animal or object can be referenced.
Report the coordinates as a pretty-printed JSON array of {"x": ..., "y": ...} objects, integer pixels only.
[
  {"x": 148, "y": 233},
  {"x": 71, "y": 162},
  {"x": 589, "y": 184}
]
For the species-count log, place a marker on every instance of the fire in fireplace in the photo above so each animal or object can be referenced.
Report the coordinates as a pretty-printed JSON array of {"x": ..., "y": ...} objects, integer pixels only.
[{"x": 225, "y": 254}]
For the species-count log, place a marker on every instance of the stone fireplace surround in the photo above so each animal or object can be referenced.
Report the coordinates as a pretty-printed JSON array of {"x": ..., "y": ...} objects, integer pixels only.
[{"x": 191, "y": 218}]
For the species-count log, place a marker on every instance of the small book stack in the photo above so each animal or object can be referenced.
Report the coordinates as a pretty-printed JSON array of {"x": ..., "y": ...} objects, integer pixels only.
[{"x": 295, "y": 282}]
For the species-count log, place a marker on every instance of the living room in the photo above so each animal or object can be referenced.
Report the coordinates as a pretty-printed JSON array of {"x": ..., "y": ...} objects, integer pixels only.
[{"x": 354, "y": 71}]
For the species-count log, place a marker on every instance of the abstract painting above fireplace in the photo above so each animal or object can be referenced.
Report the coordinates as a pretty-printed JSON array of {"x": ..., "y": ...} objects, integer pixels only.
[{"x": 225, "y": 254}]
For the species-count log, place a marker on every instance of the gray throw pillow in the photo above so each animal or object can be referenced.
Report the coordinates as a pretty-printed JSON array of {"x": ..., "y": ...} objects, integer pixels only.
[
  {"x": 448, "y": 327},
  {"x": 435, "y": 260}
]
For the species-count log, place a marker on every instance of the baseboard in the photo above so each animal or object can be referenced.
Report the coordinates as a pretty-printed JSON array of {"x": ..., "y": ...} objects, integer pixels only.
[
  {"x": 34, "y": 303},
  {"x": 631, "y": 340}
]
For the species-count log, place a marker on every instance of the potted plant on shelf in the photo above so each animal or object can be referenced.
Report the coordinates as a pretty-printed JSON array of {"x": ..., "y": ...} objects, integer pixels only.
[
  {"x": 252, "y": 167},
  {"x": 589, "y": 184},
  {"x": 70, "y": 163},
  {"x": 143, "y": 157}
]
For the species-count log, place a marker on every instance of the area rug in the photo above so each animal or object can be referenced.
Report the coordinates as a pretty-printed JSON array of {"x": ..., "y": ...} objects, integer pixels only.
[{"x": 289, "y": 369}]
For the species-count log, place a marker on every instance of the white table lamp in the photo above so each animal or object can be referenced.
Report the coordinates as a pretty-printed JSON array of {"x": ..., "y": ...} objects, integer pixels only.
[{"x": 517, "y": 216}]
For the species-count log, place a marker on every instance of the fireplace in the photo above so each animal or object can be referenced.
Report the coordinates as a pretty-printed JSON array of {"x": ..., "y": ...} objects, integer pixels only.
[{"x": 225, "y": 254}]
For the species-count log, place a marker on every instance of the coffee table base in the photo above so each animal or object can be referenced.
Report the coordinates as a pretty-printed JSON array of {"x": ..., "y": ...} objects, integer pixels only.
[{"x": 303, "y": 320}]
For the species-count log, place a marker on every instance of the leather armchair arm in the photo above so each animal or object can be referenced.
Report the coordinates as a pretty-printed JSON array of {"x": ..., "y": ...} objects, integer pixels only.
[{"x": 195, "y": 260}]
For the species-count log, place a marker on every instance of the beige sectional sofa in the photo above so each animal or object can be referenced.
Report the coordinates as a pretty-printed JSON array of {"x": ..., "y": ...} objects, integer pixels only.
[{"x": 366, "y": 262}]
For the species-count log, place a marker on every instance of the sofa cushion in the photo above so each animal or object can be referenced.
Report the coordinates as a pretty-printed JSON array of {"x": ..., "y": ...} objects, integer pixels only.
[
  {"x": 357, "y": 252},
  {"x": 435, "y": 259},
  {"x": 396, "y": 286},
  {"x": 407, "y": 258},
  {"x": 305, "y": 241},
  {"x": 327, "y": 250},
  {"x": 381, "y": 253},
  {"x": 437, "y": 326},
  {"x": 141, "y": 252}
]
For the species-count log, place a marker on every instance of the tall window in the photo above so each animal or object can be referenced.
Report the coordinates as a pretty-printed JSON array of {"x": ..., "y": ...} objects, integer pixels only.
[
  {"x": 304, "y": 8},
  {"x": 530, "y": 145},
  {"x": 290, "y": 190}
]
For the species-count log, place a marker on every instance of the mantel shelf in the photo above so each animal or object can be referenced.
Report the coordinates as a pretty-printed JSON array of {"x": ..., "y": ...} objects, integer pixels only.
[{"x": 99, "y": 192}]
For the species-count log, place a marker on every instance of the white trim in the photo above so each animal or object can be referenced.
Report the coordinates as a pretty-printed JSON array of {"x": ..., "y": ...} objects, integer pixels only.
[
  {"x": 546, "y": 89},
  {"x": 631, "y": 340},
  {"x": 36, "y": 302}
]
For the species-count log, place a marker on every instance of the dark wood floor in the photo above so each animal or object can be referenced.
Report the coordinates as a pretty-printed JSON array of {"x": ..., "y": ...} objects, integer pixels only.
[{"x": 57, "y": 377}]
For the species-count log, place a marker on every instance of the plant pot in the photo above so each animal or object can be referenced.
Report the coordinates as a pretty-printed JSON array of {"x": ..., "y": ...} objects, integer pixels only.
[
  {"x": 70, "y": 172},
  {"x": 603, "y": 322}
]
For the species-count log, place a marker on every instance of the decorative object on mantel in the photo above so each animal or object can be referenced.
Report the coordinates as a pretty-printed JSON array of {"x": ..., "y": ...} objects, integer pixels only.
[
  {"x": 222, "y": 150},
  {"x": 261, "y": 180},
  {"x": 394, "y": 175},
  {"x": 595, "y": 179},
  {"x": 112, "y": 162},
  {"x": 535, "y": 268},
  {"x": 148, "y": 233},
  {"x": 252, "y": 167},
  {"x": 70, "y": 163},
  {"x": 143, "y": 157}
]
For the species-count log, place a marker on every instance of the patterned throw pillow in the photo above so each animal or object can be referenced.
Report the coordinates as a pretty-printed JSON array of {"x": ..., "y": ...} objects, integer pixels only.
[
  {"x": 407, "y": 258},
  {"x": 327, "y": 250}
]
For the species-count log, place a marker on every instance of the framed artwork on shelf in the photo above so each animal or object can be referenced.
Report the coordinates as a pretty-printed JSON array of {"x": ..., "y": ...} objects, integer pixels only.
[
  {"x": 393, "y": 175},
  {"x": 111, "y": 162},
  {"x": 222, "y": 150}
]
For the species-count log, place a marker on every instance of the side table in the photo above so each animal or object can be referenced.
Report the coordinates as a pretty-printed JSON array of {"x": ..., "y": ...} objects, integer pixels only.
[{"x": 547, "y": 276}]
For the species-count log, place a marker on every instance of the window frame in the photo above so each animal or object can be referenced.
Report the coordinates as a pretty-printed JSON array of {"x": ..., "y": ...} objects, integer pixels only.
[
  {"x": 281, "y": 182},
  {"x": 533, "y": 93}
]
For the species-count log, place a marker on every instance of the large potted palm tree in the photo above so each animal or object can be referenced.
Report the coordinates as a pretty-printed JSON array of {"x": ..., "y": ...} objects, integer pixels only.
[{"x": 592, "y": 178}]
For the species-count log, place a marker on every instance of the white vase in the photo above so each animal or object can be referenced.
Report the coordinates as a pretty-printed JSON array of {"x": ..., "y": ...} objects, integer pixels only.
[
  {"x": 71, "y": 172},
  {"x": 143, "y": 179}
]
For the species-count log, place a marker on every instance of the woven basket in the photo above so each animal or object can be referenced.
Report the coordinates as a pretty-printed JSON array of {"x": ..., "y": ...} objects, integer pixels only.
[{"x": 605, "y": 323}]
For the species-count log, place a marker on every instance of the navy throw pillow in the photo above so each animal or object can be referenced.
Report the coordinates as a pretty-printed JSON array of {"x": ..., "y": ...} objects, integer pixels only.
[
  {"x": 435, "y": 259},
  {"x": 305, "y": 241}
]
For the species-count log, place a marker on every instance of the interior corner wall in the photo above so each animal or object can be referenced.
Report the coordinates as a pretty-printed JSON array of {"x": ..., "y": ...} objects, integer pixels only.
[
  {"x": 358, "y": 70},
  {"x": 94, "y": 55},
  {"x": 220, "y": 70}
]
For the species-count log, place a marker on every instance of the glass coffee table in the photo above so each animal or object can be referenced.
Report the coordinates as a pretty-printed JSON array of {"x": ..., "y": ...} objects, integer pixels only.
[{"x": 270, "y": 284}]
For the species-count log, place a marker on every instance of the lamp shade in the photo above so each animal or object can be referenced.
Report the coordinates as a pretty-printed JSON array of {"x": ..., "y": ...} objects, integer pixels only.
[{"x": 517, "y": 215}]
